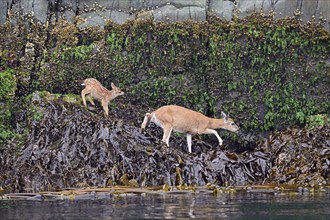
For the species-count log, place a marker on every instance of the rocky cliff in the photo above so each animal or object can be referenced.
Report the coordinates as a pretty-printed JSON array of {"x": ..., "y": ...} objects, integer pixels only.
[{"x": 119, "y": 11}]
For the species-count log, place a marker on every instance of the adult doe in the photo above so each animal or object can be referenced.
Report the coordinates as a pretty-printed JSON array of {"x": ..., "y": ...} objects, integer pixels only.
[
  {"x": 183, "y": 120},
  {"x": 95, "y": 89}
]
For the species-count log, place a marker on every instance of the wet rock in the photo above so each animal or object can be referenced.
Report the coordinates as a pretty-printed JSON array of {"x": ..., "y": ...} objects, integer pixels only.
[{"x": 97, "y": 12}]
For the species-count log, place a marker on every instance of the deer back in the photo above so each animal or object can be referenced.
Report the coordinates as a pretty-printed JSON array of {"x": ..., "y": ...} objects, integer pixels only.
[
  {"x": 95, "y": 88},
  {"x": 188, "y": 121},
  {"x": 181, "y": 119}
]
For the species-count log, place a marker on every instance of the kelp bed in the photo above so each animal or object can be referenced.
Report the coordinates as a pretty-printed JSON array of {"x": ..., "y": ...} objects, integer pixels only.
[{"x": 70, "y": 146}]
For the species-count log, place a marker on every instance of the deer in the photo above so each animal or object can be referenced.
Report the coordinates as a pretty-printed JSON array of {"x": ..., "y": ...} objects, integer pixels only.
[
  {"x": 93, "y": 88},
  {"x": 183, "y": 120}
]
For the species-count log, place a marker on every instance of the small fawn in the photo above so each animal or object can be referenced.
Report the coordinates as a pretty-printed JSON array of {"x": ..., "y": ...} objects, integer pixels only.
[
  {"x": 95, "y": 89},
  {"x": 183, "y": 120}
]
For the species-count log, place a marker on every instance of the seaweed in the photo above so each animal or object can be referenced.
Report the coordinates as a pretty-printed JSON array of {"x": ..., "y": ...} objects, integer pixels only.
[{"x": 70, "y": 146}]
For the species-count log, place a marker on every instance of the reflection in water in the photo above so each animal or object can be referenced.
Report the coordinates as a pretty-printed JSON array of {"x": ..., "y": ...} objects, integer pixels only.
[{"x": 175, "y": 206}]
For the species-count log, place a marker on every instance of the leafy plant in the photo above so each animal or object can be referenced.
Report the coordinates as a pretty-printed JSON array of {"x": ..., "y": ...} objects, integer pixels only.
[
  {"x": 7, "y": 95},
  {"x": 269, "y": 73}
]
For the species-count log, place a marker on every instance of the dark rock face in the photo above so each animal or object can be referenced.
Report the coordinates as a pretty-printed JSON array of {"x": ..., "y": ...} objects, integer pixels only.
[
  {"x": 69, "y": 146},
  {"x": 165, "y": 10}
]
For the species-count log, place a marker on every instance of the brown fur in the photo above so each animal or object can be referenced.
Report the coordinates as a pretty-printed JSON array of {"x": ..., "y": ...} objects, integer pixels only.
[
  {"x": 95, "y": 89},
  {"x": 187, "y": 121}
]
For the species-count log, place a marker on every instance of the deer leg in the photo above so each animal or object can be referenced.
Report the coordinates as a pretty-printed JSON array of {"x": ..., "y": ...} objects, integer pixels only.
[
  {"x": 167, "y": 133},
  {"x": 105, "y": 107},
  {"x": 83, "y": 93},
  {"x": 211, "y": 131},
  {"x": 90, "y": 99},
  {"x": 189, "y": 142}
]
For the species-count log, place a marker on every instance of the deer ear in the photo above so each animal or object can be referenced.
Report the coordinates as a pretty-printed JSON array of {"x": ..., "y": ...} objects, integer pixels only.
[
  {"x": 113, "y": 85},
  {"x": 225, "y": 117}
]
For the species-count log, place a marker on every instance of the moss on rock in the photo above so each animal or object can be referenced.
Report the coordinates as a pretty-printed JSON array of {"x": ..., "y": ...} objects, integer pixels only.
[{"x": 7, "y": 95}]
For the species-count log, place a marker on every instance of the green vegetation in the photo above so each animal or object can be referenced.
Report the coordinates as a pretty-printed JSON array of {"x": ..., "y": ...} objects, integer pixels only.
[
  {"x": 267, "y": 73},
  {"x": 7, "y": 94},
  {"x": 317, "y": 120}
]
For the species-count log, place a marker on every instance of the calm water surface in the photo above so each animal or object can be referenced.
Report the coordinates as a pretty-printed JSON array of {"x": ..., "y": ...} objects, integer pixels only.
[{"x": 180, "y": 206}]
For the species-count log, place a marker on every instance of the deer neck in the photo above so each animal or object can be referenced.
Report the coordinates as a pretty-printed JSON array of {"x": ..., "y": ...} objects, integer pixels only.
[
  {"x": 215, "y": 123},
  {"x": 112, "y": 94},
  {"x": 109, "y": 94}
]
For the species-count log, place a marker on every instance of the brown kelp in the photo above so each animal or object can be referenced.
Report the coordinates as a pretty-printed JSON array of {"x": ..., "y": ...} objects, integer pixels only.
[{"x": 70, "y": 146}]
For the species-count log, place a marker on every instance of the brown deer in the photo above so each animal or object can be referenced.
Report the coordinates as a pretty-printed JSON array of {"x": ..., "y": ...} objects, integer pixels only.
[
  {"x": 95, "y": 89},
  {"x": 183, "y": 120}
]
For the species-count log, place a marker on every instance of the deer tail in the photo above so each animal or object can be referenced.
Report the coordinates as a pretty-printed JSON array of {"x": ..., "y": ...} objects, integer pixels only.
[
  {"x": 83, "y": 83},
  {"x": 146, "y": 120}
]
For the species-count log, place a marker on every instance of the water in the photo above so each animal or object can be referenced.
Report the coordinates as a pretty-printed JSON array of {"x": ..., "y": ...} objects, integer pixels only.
[{"x": 242, "y": 205}]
